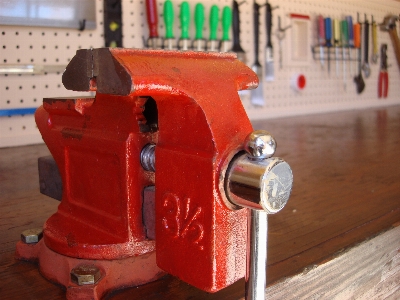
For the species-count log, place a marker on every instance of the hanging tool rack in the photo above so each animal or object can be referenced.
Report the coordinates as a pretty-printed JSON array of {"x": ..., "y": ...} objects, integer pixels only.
[{"x": 316, "y": 53}]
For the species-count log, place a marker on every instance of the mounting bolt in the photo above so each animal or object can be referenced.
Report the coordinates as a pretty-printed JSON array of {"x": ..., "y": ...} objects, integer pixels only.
[
  {"x": 32, "y": 236},
  {"x": 85, "y": 274}
]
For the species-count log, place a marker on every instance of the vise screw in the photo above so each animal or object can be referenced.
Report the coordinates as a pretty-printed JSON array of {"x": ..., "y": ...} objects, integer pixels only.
[{"x": 156, "y": 169}]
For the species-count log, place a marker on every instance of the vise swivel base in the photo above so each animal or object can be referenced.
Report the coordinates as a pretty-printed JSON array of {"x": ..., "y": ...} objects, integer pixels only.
[{"x": 156, "y": 170}]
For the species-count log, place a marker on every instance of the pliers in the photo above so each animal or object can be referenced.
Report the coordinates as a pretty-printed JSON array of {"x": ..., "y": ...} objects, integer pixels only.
[{"x": 383, "y": 83}]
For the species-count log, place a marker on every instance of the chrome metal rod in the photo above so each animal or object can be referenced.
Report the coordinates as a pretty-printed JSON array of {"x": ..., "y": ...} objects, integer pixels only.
[{"x": 256, "y": 254}]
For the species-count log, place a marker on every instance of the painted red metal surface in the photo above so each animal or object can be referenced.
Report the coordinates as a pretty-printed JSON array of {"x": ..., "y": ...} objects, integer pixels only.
[
  {"x": 96, "y": 143},
  {"x": 130, "y": 271}
]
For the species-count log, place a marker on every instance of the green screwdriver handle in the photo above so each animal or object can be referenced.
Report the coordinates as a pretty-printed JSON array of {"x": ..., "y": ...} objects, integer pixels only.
[
  {"x": 226, "y": 22},
  {"x": 185, "y": 20},
  {"x": 345, "y": 34},
  {"x": 199, "y": 20},
  {"x": 214, "y": 22},
  {"x": 169, "y": 19}
]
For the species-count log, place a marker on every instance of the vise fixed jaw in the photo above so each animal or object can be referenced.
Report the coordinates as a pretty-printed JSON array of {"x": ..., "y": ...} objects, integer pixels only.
[{"x": 172, "y": 120}]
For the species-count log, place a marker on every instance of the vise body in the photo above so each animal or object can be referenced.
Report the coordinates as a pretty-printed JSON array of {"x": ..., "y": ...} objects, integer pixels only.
[{"x": 165, "y": 132}]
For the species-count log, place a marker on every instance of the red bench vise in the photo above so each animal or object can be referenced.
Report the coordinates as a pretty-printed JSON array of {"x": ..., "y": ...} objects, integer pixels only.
[{"x": 165, "y": 119}]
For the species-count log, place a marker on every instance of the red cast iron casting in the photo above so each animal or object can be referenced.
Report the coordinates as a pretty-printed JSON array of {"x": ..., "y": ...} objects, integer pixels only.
[{"x": 97, "y": 141}]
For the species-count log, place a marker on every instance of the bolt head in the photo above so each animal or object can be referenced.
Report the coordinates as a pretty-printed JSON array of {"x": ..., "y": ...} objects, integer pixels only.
[
  {"x": 32, "y": 236},
  {"x": 259, "y": 145},
  {"x": 85, "y": 274}
]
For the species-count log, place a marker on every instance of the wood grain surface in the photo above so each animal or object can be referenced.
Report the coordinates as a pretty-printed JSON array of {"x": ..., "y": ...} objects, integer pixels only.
[{"x": 346, "y": 189}]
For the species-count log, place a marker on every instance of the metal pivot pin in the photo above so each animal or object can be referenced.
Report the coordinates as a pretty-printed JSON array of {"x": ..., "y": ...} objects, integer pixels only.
[{"x": 261, "y": 183}]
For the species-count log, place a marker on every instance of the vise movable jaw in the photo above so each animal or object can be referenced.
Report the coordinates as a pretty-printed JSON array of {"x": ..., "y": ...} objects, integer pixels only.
[{"x": 167, "y": 119}]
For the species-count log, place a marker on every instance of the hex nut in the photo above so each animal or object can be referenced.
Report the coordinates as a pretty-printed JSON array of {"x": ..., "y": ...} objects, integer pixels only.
[
  {"x": 85, "y": 274},
  {"x": 32, "y": 236}
]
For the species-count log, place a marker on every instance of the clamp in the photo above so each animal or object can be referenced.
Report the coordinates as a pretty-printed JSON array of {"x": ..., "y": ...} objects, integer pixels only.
[{"x": 155, "y": 173}]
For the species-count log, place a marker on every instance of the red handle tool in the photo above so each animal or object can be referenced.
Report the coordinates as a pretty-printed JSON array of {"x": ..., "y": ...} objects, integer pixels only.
[
  {"x": 383, "y": 81},
  {"x": 152, "y": 18}
]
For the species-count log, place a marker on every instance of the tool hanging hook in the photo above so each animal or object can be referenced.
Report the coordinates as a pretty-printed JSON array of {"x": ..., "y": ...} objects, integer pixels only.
[
  {"x": 280, "y": 34},
  {"x": 279, "y": 25},
  {"x": 272, "y": 8}
]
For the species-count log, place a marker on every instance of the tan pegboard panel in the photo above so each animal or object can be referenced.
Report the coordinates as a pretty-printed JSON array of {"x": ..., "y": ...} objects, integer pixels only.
[
  {"x": 323, "y": 92},
  {"x": 38, "y": 46}
]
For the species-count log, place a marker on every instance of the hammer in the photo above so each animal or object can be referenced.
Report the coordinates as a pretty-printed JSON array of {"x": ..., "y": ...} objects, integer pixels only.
[{"x": 389, "y": 24}]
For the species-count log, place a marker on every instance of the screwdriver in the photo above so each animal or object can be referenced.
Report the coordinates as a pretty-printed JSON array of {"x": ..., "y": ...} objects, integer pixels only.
[
  {"x": 237, "y": 48},
  {"x": 213, "y": 43},
  {"x": 336, "y": 41},
  {"x": 183, "y": 43},
  {"x": 357, "y": 41},
  {"x": 344, "y": 39},
  {"x": 152, "y": 21},
  {"x": 226, "y": 27},
  {"x": 328, "y": 40},
  {"x": 350, "y": 33},
  {"x": 169, "y": 25},
  {"x": 199, "y": 43},
  {"x": 321, "y": 38},
  {"x": 374, "y": 26}
]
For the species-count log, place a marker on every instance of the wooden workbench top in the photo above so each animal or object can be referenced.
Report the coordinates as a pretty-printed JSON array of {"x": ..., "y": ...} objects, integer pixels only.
[{"x": 346, "y": 189}]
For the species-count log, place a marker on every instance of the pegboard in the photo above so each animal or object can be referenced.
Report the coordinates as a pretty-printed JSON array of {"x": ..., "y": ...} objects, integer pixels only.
[
  {"x": 323, "y": 92},
  {"x": 39, "y": 46}
]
